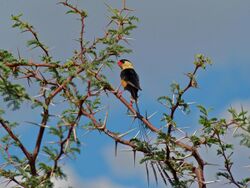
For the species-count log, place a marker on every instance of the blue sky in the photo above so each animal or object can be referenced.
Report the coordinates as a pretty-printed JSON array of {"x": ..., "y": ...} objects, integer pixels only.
[{"x": 168, "y": 36}]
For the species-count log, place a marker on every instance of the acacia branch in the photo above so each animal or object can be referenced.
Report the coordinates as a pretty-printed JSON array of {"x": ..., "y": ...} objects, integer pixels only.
[
  {"x": 173, "y": 110},
  {"x": 46, "y": 113},
  {"x": 81, "y": 37},
  {"x": 14, "y": 180},
  {"x": 176, "y": 105},
  {"x": 227, "y": 162},
  {"x": 195, "y": 154},
  {"x": 41, "y": 131},
  {"x": 137, "y": 114},
  {"x": 31, "y": 64},
  {"x": 16, "y": 139},
  {"x": 63, "y": 142},
  {"x": 111, "y": 134},
  {"x": 30, "y": 29},
  {"x": 82, "y": 15},
  {"x": 199, "y": 171},
  {"x": 127, "y": 104}
]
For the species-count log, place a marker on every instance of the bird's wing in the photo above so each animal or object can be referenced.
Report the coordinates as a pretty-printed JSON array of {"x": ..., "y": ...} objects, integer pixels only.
[
  {"x": 131, "y": 77},
  {"x": 133, "y": 85}
]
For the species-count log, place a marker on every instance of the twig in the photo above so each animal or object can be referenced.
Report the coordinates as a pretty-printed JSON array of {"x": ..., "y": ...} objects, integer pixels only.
[
  {"x": 227, "y": 163},
  {"x": 14, "y": 137}
]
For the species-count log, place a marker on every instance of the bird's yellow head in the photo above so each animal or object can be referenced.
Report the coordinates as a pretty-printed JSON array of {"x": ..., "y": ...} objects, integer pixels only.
[{"x": 125, "y": 64}]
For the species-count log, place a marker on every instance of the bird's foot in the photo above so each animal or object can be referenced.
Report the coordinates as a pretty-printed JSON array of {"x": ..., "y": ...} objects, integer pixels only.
[
  {"x": 119, "y": 93},
  {"x": 131, "y": 103}
]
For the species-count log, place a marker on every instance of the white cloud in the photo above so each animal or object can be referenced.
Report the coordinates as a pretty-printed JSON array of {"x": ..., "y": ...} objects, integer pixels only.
[
  {"x": 103, "y": 182},
  {"x": 123, "y": 164},
  {"x": 74, "y": 180},
  {"x": 237, "y": 105},
  {"x": 4, "y": 183}
]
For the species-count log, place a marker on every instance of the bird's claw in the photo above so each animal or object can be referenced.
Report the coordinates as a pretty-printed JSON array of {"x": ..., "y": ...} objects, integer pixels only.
[
  {"x": 131, "y": 103},
  {"x": 119, "y": 93}
]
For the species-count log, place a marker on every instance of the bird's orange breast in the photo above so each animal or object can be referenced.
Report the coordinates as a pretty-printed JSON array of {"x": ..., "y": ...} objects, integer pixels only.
[{"x": 124, "y": 83}]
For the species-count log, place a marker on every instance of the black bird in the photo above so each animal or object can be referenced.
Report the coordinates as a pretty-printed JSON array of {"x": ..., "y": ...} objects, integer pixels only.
[{"x": 129, "y": 78}]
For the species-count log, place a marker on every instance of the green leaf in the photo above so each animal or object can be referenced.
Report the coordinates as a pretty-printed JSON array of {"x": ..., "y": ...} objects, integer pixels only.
[
  {"x": 71, "y": 12},
  {"x": 203, "y": 110}
]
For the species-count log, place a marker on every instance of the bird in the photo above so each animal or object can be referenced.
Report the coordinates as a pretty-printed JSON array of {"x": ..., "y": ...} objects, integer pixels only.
[
  {"x": 129, "y": 79},
  {"x": 130, "y": 82}
]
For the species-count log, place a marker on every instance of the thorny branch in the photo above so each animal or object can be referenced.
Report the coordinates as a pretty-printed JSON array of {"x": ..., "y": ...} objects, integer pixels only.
[
  {"x": 179, "y": 97},
  {"x": 199, "y": 171},
  {"x": 227, "y": 163},
  {"x": 102, "y": 128},
  {"x": 29, "y": 28},
  {"x": 82, "y": 15},
  {"x": 15, "y": 138},
  {"x": 170, "y": 125},
  {"x": 83, "y": 109}
]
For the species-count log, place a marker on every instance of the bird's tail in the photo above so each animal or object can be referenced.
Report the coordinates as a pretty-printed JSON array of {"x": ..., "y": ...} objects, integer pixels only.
[
  {"x": 142, "y": 129},
  {"x": 137, "y": 107}
]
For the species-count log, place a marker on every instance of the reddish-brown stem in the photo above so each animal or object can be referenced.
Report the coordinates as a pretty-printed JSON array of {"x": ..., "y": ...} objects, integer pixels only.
[
  {"x": 45, "y": 116},
  {"x": 41, "y": 131},
  {"x": 81, "y": 38},
  {"x": 174, "y": 107},
  {"x": 82, "y": 19},
  {"x": 30, "y": 64},
  {"x": 16, "y": 139},
  {"x": 63, "y": 142},
  {"x": 227, "y": 163},
  {"x": 30, "y": 29},
  {"x": 108, "y": 132},
  {"x": 137, "y": 114},
  {"x": 127, "y": 104},
  {"x": 198, "y": 170}
]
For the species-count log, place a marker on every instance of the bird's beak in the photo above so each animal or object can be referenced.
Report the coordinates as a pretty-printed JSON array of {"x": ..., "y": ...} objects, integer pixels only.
[{"x": 119, "y": 63}]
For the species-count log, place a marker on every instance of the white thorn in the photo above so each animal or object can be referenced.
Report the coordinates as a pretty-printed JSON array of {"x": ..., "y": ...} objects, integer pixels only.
[
  {"x": 86, "y": 133},
  {"x": 152, "y": 115},
  {"x": 194, "y": 133},
  {"x": 89, "y": 57},
  {"x": 181, "y": 138},
  {"x": 39, "y": 125},
  {"x": 52, "y": 142},
  {"x": 74, "y": 133},
  {"x": 235, "y": 130},
  {"x": 66, "y": 145},
  {"x": 37, "y": 96},
  {"x": 190, "y": 103},
  {"x": 126, "y": 133},
  {"x": 181, "y": 109},
  {"x": 128, "y": 38},
  {"x": 181, "y": 131},
  {"x": 209, "y": 182},
  {"x": 173, "y": 99},
  {"x": 137, "y": 134},
  {"x": 105, "y": 121},
  {"x": 100, "y": 109},
  {"x": 46, "y": 88}
]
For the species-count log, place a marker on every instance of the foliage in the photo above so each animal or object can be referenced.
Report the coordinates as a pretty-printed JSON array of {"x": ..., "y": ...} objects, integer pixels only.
[{"x": 177, "y": 160}]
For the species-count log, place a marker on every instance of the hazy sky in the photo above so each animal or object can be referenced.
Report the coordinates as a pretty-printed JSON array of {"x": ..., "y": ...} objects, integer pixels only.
[{"x": 168, "y": 36}]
